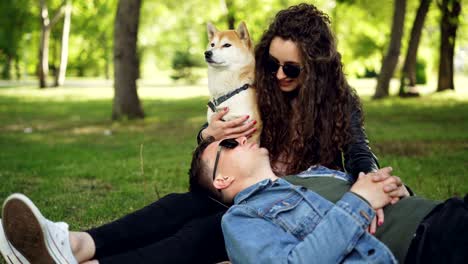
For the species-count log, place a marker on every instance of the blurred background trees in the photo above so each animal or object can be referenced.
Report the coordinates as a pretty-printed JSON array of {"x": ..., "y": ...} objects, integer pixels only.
[
  {"x": 126, "y": 65},
  {"x": 390, "y": 60},
  {"x": 408, "y": 74},
  {"x": 172, "y": 37},
  {"x": 16, "y": 25}
]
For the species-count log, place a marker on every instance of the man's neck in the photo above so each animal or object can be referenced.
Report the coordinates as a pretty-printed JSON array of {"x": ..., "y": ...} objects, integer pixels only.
[{"x": 257, "y": 177}]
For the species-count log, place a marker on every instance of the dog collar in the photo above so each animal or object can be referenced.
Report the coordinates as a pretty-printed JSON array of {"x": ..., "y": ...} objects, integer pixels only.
[{"x": 217, "y": 101}]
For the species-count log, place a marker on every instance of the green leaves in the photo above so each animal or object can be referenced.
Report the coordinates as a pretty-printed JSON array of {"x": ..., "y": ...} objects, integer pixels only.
[{"x": 362, "y": 28}]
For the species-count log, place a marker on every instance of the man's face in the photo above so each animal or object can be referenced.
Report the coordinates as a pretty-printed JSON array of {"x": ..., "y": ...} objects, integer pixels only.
[{"x": 241, "y": 160}]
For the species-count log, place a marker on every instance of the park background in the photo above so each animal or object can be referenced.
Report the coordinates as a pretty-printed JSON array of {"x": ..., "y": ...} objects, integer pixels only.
[{"x": 106, "y": 120}]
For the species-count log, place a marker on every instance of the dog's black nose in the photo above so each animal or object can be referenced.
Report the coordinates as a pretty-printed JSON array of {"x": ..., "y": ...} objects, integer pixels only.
[{"x": 208, "y": 54}]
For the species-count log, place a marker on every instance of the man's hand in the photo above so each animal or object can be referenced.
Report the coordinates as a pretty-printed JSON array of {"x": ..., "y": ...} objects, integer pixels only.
[
  {"x": 228, "y": 129},
  {"x": 372, "y": 191}
]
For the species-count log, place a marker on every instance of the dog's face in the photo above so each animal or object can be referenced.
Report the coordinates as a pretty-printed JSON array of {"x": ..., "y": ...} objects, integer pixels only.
[{"x": 229, "y": 49}]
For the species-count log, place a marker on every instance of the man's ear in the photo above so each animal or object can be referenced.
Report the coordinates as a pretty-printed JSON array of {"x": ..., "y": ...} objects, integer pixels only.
[
  {"x": 211, "y": 29},
  {"x": 222, "y": 182}
]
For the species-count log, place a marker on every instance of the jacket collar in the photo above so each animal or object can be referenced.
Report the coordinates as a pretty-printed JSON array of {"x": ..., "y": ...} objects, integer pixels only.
[{"x": 253, "y": 189}]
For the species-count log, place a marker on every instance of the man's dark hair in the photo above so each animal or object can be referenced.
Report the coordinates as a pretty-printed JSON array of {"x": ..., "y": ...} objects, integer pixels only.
[{"x": 198, "y": 169}]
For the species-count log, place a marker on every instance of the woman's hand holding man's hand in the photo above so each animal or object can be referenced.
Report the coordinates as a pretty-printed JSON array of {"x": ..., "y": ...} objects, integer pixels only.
[{"x": 393, "y": 186}]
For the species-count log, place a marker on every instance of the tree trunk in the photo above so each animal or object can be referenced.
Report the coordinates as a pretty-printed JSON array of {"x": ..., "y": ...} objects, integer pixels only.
[
  {"x": 46, "y": 25},
  {"x": 62, "y": 69},
  {"x": 108, "y": 58},
  {"x": 391, "y": 58},
  {"x": 408, "y": 73},
  {"x": 231, "y": 20},
  {"x": 451, "y": 10},
  {"x": 17, "y": 68},
  {"x": 6, "y": 72},
  {"x": 126, "y": 101},
  {"x": 44, "y": 46}
]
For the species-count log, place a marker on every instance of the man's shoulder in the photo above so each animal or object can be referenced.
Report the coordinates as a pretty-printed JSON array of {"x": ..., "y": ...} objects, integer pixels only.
[{"x": 240, "y": 210}]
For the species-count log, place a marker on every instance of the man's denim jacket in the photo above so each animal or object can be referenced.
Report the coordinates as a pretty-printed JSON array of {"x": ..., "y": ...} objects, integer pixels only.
[{"x": 277, "y": 222}]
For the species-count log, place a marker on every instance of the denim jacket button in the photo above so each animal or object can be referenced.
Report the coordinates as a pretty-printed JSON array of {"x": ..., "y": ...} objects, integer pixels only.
[{"x": 370, "y": 252}]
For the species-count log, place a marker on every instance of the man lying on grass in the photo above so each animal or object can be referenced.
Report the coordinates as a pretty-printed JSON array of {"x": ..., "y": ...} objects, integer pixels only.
[{"x": 274, "y": 221}]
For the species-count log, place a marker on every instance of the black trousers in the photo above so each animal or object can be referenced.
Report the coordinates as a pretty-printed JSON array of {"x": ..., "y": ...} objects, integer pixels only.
[
  {"x": 186, "y": 228},
  {"x": 178, "y": 228},
  {"x": 442, "y": 237}
]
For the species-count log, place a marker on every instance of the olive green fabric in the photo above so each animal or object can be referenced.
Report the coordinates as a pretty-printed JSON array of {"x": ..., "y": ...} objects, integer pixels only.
[{"x": 401, "y": 219}]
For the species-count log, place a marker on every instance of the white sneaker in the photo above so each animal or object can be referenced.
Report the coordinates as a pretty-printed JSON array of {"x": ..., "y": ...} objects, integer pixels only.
[
  {"x": 38, "y": 239},
  {"x": 9, "y": 253}
]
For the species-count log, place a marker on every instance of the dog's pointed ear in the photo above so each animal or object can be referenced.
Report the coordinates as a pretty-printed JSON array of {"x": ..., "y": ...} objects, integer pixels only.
[
  {"x": 211, "y": 29},
  {"x": 242, "y": 31},
  {"x": 244, "y": 34}
]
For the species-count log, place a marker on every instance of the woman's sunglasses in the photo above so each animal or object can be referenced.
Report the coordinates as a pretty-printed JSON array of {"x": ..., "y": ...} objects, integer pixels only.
[
  {"x": 290, "y": 69},
  {"x": 229, "y": 143}
]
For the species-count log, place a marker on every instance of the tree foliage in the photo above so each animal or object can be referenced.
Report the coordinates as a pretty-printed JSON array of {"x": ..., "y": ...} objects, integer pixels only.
[
  {"x": 15, "y": 23},
  {"x": 93, "y": 27},
  {"x": 171, "y": 28}
]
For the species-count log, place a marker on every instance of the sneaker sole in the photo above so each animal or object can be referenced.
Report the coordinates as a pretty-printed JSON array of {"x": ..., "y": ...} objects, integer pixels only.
[
  {"x": 7, "y": 251},
  {"x": 24, "y": 228}
]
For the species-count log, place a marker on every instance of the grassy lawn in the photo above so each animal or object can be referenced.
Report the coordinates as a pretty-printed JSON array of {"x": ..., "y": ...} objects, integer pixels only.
[{"x": 59, "y": 146}]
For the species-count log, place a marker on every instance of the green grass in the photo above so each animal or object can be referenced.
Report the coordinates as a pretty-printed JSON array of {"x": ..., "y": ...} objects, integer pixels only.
[
  {"x": 76, "y": 172},
  {"x": 425, "y": 140}
]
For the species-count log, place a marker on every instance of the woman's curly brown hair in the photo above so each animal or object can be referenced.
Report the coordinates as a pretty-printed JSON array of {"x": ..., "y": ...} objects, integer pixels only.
[{"x": 319, "y": 128}]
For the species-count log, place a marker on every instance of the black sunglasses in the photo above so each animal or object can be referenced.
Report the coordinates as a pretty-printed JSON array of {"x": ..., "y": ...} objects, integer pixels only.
[
  {"x": 229, "y": 143},
  {"x": 290, "y": 69}
]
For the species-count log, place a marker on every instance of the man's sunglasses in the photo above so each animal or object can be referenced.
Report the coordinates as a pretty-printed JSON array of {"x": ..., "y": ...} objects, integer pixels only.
[
  {"x": 229, "y": 143},
  {"x": 290, "y": 69}
]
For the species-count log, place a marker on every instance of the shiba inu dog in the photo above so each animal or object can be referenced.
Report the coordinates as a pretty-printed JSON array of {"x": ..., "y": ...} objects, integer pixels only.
[{"x": 231, "y": 69}]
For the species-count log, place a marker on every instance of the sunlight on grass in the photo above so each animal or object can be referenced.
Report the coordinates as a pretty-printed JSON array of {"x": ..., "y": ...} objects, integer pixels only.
[
  {"x": 82, "y": 90},
  {"x": 366, "y": 88},
  {"x": 100, "y": 93}
]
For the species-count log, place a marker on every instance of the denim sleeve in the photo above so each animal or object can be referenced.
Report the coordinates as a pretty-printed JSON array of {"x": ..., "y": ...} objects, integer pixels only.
[{"x": 252, "y": 239}]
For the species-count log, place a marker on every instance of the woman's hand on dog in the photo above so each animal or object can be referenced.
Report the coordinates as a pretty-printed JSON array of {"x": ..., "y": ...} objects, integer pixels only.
[{"x": 229, "y": 129}]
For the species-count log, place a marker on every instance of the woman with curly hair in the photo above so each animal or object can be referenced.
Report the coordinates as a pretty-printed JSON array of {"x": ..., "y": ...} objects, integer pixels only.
[{"x": 310, "y": 114}]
